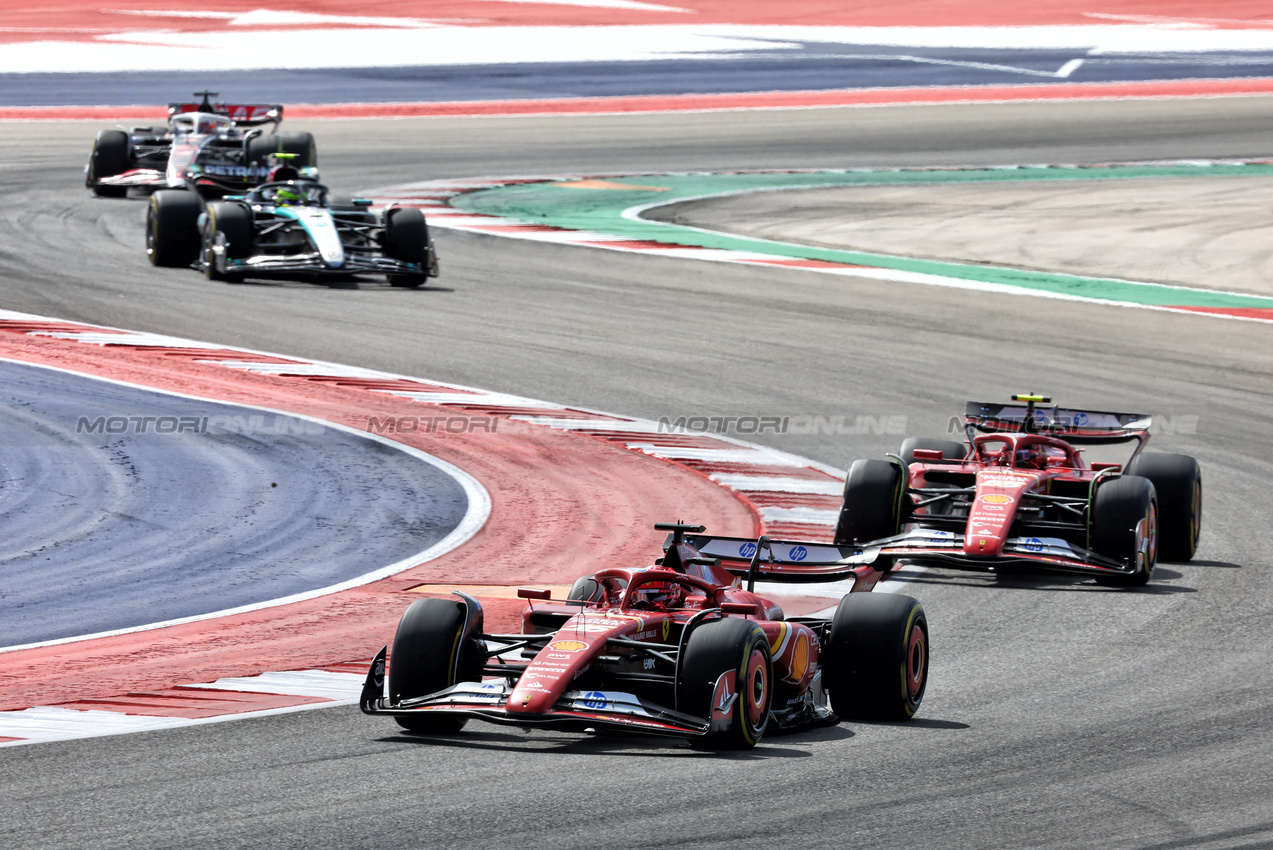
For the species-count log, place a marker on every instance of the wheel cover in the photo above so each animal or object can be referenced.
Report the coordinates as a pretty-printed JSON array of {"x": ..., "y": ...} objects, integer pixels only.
[
  {"x": 755, "y": 690},
  {"x": 916, "y": 663},
  {"x": 1147, "y": 534}
]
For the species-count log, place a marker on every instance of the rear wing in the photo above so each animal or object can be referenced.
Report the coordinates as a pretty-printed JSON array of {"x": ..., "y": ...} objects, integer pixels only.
[
  {"x": 1073, "y": 426},
  {"x": 242, "y": 114},
  {"x": 781, "y": 560}
]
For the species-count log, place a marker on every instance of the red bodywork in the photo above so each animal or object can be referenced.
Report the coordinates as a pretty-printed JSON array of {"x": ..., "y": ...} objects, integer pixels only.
[{"x": 609, "y": 657}]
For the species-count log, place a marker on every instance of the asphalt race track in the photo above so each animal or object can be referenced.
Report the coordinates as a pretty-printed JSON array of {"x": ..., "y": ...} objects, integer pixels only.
[
  {"x": 173, "y": 507},
  {"x": 1059, "y": 714}
]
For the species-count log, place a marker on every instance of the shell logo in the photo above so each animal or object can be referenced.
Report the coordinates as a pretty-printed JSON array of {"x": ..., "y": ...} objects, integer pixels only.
[
  {"x": 800, "y": 658},
  {"x": 568, "y": 645},
  {"x": 996, "y": 499}
]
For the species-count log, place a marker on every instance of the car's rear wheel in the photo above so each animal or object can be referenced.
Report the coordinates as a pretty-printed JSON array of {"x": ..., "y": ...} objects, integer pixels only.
[
  {"x": 950, "y": 449},
  {"x": 172, "y": 228},
  {"x": 1177, "y": 482},
  {"x": 872, "y": 503},
  {"x": 234, "y": 223},
  {"x": 726, "y": 676},
  {"x": 875, "y": 665},
  {"x": 1125, "y": 528},
  {"x": 407, "y": 240},
  {"x": 429, "y": 655},
  {"x": 109, "y": 157}
]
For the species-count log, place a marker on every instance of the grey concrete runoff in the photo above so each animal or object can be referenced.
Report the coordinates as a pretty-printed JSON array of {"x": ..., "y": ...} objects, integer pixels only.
[{"x": 1060, "y": 714}]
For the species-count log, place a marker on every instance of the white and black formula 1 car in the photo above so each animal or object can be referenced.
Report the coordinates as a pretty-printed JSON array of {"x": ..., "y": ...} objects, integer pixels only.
[
  {"x": 288, "y": 228},
  {"x": 214, "y": 149}
]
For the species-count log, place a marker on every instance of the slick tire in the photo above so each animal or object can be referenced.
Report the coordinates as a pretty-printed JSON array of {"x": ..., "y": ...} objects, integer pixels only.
[
  {"x": 428, "y": 650},
  {"x": 876, "y": 660},
  {"x": 172, "y": 228},
  {"x": 1125, "y": 519},
  {"x": 110, "y": 157},
  {"x": 234, "y": 222},
  {"x": 729, "y": 646},
  {"x": 1177, "y": 482},
  {"x": 949, "y": 448},
  {"x": 872, "y": 503},
  {"x": 407, "y": 239}
]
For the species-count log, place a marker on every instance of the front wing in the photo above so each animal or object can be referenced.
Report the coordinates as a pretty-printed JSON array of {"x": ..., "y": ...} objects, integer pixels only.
[
  {"x": 946, "y": 548},
  {"x": 575, "y": 710}
]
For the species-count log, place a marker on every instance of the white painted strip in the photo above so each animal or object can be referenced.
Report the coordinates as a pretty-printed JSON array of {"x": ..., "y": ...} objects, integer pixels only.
[
  {"x": 740, "y": 455},
  {"x": 603, "y": 4},
  {"x": 489, "y": 399},
  {"x": 300, "y": 683},
  {"x": 299, "y": 368},
  {"x": 49, "y": 723},
  {"x": 769, "y": 484},
  {"x": 635, "y": 426},
  {"x": 804, "y": 516}
]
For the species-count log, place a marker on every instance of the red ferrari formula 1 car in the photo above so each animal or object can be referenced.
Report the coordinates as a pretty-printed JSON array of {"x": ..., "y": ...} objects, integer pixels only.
[
  {"x": 679, "y": 648},
  {"x": 1020, "y": 493}
]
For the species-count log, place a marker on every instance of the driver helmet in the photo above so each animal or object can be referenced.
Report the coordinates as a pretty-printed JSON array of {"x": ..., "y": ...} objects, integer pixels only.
[
  {"x": 1031, "y": 458},
  {"x": 286, "y": 195}
]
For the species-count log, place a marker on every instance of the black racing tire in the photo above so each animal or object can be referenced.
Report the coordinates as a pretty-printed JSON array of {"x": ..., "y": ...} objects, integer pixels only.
[
  {"x": 1125, "y": 517},
  {"x": 110, "y": 157},
  {"x": 428, "y": 649},
  {"x": 301, "y": 144},
  {"x": 172, "y": 228},
  {"x": 950, "y": 449},
  {"x": 713, "y": 650},
  {"x": 407, "y": 239},
  {"x": 1178, "y": 484},
  {"x": 875, "y": 665},
  {"x": 235, "y": 223},
  {"x": 872, "y": 502}
]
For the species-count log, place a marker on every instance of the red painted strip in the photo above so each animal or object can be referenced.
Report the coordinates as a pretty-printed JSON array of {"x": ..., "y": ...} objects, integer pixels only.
[
  {"x": 1262, "y": 313},
  {"x": 190, "y": 703},
  {"x": 691, "y": 103},
  {"x": 799, "y": 531},
  {"x": 793, "y": 500},
  {"x": 635, "y": 244},
  {"x": 78, "y": 19},
  {"x": 395, "y": 385},
  {"x": 206, "y": 353}
]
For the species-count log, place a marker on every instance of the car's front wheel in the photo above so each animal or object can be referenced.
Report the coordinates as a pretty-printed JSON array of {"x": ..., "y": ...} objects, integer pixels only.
[
  {"x": 1125, "y": 528},
  {"x": 429, "y": 655},
  {"x": 726, "y": 677},
  {"x": 109, "y": 157},
  {"x": 233, "y": 224},
  {"x": 872, "y": 502},
  {"x": 407, "y": 240}
]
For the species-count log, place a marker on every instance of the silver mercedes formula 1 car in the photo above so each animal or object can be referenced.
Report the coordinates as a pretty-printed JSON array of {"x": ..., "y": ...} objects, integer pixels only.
[{"x": 288, "y": 228}]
